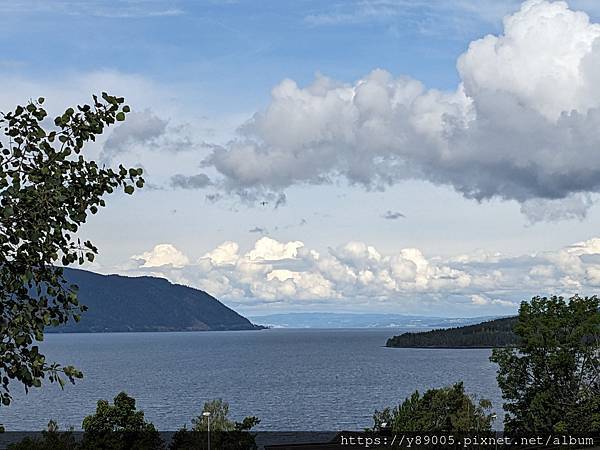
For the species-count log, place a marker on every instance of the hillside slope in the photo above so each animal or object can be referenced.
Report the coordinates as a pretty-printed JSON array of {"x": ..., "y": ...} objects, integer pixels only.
[
  {"x": 494, "y": 333},
  {"x": 118, "y": 303}
]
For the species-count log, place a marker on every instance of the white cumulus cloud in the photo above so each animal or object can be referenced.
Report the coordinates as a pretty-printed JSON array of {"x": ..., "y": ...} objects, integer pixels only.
[
  {"x": 521, "y": 125},
  {"x": 270, "y": 249},
  {"x": 224, "y": 254},
  {"x": 162, "y": 255},
  {"x": 289, "y": 273}
]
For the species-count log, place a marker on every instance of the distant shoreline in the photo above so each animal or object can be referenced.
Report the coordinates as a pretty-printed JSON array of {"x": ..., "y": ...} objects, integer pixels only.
[
  {"x": 491, "y": 334},
  {"x": 81, "y": 331},
  {"x": 438, "y": 347}
]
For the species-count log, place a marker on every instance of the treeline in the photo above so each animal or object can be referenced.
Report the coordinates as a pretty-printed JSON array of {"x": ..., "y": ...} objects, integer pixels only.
[
  {"x": 437, "y": 411},
  {"x": 492, "y": 334},
  {"x": 121, "y": 426}
]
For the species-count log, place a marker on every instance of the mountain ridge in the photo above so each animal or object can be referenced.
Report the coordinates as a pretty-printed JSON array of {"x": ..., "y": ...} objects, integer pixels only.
[{"x": 118, "y": 303}]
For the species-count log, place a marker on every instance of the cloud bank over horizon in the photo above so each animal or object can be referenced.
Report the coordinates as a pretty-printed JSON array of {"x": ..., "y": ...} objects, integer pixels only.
[
  {"x": 521, "y": 125},
  {"x": 283, "y": 275}
]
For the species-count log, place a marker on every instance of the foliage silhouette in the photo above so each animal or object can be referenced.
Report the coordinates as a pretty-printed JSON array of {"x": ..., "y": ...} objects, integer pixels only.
[
  {"x": 119, "y": 426},
  {"x": 447, "y": 409},
  {"x": 47, "y": 190},
  {"x": 494, "y": 333},
  {"x": 224, "y": 432},
  {"x": 551, "y": 380}
]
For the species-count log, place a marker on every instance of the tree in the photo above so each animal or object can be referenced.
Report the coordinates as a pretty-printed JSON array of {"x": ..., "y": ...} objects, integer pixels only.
[
  {"x": 224, "y": 432},
  {"x": 219, "y": 420},
  {"x": 47, "y": 190},
  {"x": 119, "y": 426},
  {"x": 551, "y": 379},
  {"x": 52, "y": 439},
  {"x": 113, "y": 427},
  {"x": 438, "y": 410}
]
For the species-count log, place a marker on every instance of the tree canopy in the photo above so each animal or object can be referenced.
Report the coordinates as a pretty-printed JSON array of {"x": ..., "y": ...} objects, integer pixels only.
[
  {"x": 219, "y": 418},
  {"x": 551, "y": 379},
  {"x": 47, "y": 190},
  {"x": 437, "y": 410},
  {"x": 224, "y": 432},
  {"x": 119, "y": 426}
]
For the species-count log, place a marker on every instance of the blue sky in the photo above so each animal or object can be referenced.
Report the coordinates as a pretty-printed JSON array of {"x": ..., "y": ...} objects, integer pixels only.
[
  {"x": 438, "y": 184},
  {"x": 236, "y": 51}
]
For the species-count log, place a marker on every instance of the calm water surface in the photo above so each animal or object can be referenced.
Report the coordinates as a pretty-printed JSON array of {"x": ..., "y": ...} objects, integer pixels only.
[{"x": 291, "y": 379}]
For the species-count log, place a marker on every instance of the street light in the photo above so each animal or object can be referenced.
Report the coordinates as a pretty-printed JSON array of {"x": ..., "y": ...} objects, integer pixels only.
[
  {"x": 207, "y": 415},
  {"x": 494, "y": 415}
]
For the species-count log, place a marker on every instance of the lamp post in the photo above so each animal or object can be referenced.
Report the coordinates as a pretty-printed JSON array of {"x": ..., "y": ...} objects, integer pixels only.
[
  {"x": 207, "y": 415},
  {"x": 494, "y": 415}
]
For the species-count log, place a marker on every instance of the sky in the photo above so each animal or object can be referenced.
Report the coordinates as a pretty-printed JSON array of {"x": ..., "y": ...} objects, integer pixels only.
[{"x": 435, "y": 157}]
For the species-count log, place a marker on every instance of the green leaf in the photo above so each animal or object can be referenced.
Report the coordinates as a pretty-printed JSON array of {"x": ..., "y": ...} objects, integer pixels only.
[{"x": 46, "y": 194}]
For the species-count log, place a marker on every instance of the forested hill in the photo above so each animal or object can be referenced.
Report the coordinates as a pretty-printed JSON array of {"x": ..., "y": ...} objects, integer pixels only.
[
  {"x": 118, "y": 303},
  {"x": 495, "y": 333}
]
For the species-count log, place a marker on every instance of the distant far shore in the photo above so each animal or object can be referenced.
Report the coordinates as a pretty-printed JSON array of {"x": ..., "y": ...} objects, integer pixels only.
[
  {"x": 490, "y": 334},
  {"x": 440, "y": 347},
  {"x": 147, "y": 330}
]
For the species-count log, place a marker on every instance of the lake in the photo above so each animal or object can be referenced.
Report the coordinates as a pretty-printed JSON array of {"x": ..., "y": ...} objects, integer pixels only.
[{"x": 305, "y": 379}]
